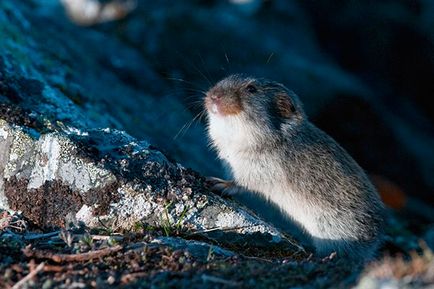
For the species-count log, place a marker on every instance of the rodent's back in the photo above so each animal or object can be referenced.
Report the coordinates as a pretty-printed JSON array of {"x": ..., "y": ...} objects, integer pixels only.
[{"x": 351, "y": 212}]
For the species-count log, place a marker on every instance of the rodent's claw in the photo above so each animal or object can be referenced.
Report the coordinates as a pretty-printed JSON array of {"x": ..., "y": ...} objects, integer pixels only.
[{"x": 222, "y": 187}]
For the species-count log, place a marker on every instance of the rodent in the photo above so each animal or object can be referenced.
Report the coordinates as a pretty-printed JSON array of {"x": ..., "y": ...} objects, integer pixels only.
[{"x": 259, "y": 129}]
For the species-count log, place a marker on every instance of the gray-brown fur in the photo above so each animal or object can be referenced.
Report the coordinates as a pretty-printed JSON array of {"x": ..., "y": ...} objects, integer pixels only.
[{"x": 272, "y": 149}]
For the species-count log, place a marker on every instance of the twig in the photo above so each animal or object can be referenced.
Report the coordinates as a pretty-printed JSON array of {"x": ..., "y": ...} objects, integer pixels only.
[
  {"x": 55, "y": 268},
  {"x": 60, "y": 258},
  {"x": 223, "y": 229},
  {"x": 294, "y": 243},
  {"x": 257, "y": 258},
  {"x": 29, "y": 276},
  {"x": 104, "y": 237}
]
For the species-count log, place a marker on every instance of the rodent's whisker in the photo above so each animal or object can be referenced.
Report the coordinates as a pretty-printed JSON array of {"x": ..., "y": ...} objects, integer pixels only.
[
  {"x": 180, "y": 80},
  {"x": 227, "y": 58},
  {"x": 187, "y": 125},
  {"x": 269, "y": 57},
  {"x": 194, "y": 87},
  {"x": 202, "y": 92},
  {"x": 192, "y": 65},
  {"x": 195, "y": 104},
  {"x": 205, "y": 67},
  {"x": 203, "y": 114},
  {"x": 200, "y": 72}
]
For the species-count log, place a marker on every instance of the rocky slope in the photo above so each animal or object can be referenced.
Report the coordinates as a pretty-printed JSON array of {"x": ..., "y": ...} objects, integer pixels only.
[{"x": 107, "y": 178}]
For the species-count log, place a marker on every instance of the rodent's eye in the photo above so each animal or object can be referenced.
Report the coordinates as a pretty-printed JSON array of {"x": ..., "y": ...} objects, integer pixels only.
[{"x": 251, "y": 88}]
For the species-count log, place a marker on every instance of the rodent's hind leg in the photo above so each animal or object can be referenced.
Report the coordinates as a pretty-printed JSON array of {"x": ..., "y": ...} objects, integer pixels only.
[{"x": 222, "y": 187}]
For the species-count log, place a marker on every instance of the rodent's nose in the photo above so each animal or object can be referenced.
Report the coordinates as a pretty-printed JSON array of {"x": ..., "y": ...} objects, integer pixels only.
[{"x": 215, "y": 96}]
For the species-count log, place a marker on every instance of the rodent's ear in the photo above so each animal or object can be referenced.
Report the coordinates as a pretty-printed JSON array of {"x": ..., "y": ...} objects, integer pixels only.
[{"x": 285, "y": 106}]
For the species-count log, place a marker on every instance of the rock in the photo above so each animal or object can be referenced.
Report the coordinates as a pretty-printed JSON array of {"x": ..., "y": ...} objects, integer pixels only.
[
  {"x": 51, "y": 72},
  {"x": 90, "y": 12},
  {"x": 397, "y": 272},
  {"x": 107, "y": 178}
]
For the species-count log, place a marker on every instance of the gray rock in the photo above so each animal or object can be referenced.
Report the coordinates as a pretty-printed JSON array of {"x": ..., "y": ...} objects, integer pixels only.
[
  {"x": 51, "y": 72},
  {"x": 107, "y": 178}
]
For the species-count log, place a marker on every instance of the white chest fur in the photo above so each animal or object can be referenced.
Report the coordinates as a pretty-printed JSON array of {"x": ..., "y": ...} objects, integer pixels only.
[{"x": 261, "y": 172}]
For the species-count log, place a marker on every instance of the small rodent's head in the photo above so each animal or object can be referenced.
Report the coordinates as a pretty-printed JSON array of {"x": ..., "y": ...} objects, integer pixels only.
[
  {"x": 254, "y": 106},
  {"x": 240, "y": 94}
]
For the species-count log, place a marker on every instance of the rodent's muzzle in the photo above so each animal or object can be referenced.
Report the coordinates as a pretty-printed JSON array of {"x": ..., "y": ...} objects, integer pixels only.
[{"x": 222, "y": 103}]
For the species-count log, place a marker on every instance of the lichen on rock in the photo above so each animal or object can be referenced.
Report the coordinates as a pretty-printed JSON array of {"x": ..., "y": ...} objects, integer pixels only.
[{"x": 104, "y": 177}]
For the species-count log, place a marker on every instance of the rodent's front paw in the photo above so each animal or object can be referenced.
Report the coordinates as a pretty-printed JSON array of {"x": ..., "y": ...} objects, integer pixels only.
[{"x": 222, "y": 187}]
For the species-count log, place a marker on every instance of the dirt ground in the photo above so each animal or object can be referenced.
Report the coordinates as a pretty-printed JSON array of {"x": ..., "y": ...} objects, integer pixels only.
[{"x": 79, "y": 258}]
